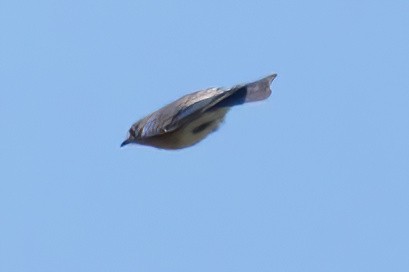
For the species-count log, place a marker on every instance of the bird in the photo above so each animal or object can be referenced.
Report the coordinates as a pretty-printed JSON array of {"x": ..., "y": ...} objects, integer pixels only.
[{"x": 191, "y": 118}]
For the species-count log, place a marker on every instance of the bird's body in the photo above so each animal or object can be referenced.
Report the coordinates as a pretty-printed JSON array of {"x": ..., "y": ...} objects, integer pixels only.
[
  {"x": 190, "y": 133},
  {"x": 191, "y": 118}
]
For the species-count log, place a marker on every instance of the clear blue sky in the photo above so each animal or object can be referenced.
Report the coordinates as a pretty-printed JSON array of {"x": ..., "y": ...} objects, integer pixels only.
[{"x": 316, "y": 178}]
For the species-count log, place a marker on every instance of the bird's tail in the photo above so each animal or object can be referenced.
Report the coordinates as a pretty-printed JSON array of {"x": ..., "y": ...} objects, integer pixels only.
[
  {"x": 250, "y": 92},
  {"x": 259, "y": 90}
]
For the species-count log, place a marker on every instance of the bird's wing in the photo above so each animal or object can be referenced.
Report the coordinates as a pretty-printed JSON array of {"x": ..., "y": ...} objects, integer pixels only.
[
  {"x": 191, "y": 106},
  {"x": 181, "y": 111}
]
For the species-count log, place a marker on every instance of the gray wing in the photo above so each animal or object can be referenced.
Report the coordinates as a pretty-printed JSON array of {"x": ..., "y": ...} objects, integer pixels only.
[
  {"x": 181, "y": 111},
  {"x": 191, "y": 106}
]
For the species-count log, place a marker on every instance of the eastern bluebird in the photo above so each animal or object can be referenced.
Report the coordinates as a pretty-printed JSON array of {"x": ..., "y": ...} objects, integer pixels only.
[{"x": 191, "y": 118}]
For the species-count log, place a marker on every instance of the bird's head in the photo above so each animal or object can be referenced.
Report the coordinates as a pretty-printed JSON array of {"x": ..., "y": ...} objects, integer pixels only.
[{"x": 134, "y": 135}]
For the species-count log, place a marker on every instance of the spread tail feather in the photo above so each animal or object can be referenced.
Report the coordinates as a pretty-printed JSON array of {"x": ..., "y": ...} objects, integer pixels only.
[
  {"x": 259, "y": 90},
  {"x": 250, "y": 92}
]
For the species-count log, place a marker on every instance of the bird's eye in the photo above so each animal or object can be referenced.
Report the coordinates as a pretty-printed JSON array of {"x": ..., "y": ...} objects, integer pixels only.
[{"x": 132, "y": 133}]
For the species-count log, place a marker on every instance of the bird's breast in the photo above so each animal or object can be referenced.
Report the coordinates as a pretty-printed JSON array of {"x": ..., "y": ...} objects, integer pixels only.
[{"x": 190, "y": 133}]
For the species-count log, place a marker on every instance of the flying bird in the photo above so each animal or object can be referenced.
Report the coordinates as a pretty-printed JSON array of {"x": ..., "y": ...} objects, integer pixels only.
[{"x": 192, "y": 117}]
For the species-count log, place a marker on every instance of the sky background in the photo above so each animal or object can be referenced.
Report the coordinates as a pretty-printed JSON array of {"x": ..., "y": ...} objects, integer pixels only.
[{"x": 316, "y": 178}]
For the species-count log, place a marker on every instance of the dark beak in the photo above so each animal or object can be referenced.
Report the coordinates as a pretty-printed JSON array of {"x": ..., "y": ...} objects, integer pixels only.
[{"x": 127, "y": 141}]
